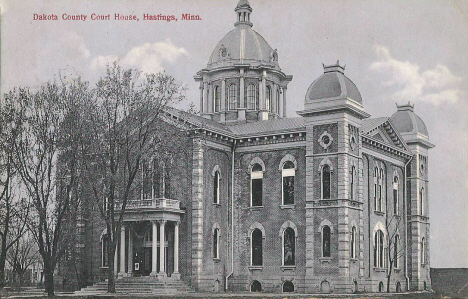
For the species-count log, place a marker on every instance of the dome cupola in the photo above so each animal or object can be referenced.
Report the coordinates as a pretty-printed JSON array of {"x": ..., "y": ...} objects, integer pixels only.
[{"x": 242, "y": 81}]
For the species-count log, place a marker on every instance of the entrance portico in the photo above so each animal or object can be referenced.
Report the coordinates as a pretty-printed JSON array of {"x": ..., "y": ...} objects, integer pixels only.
[{"x": 149, "y": 239}]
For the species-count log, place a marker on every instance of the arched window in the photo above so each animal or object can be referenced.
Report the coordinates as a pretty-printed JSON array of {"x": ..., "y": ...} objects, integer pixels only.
[
  {"x": 381, "y": 287},
  {"x": 216, "y": 243},
  {"x": 376, "y": 179},
  {"x": 288, "y": 174},
  {"x": 104, "y": 249},
  {"x": 353, "y": 242},
  {"x": 217, "y": 99},
  {"x": 268, "y": 98},
  {"x": 289, "y": 247},
  {"x": 255, "y": 286},
  {"x": 326, "y": 235},
  {"x": 352, "y": 186},
  {"x": 216, "y": 187},
  {"x": 379, "y": 249},
  {"x": 232, "y": 97},
  {"x": 256, "y": 185},
  {"x": 423, "y": 251},
  {"x": 288, "y": 287},
  {"x": 395, "y": 195},
  {"x": 421, "y": 201},
  {"x": 252, "y": 97},
  {"x": 277, "y": 101},
  {"x": 326, "y": 182},
  {"x": 257, "y": 247},
  {"x": 395, "y": 252}
]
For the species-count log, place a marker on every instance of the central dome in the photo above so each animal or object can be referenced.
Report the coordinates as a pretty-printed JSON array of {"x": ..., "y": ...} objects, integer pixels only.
[{"x": 243, "y": 44}]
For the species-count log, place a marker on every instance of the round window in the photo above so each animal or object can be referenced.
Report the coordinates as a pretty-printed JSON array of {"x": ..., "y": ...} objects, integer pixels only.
[{"x": 326, "y": 140}]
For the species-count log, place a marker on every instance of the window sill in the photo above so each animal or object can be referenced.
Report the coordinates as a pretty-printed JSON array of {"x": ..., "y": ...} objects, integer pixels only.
[
  {"x": 353, "y": 260},
  {"x": 253, "y": 208},
  {"x": 379, "y": 213},
  {"x": 216, "y": 204},
  {"x": 423, "y": 265},
  {"x": 104, "y": 268},
  {"x": 216, "y": 260},
  {"x": 290, "y": 268},
  {"x": 397, "y": 270},
  {"x": 291, "y": 206},
  {"x": 325, "y": 259},
  {"x": 380, "y": 269},
  {"x": 252, "y": 268}
]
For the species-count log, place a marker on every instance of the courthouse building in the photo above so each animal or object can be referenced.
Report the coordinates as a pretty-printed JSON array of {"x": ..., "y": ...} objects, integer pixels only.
[{"x": 316, "y": 203}]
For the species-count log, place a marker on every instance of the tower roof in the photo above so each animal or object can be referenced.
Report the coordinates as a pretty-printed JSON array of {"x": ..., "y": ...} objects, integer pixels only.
[
  {"x": 406, "y": 121},
  {"x": 333, "y": 83}
]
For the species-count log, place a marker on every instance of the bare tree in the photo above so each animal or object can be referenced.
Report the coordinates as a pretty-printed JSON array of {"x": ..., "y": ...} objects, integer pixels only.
[
  {"x": 396, "y": 247},
  {"x": 47, "y": 124},
  {"x": 126, "y": 122},
  {"x": 14, "y": 208},
  {"x": 23, "y": 255}
]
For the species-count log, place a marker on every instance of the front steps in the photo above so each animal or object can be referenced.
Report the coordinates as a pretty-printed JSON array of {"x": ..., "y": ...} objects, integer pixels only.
[{"x": 142, "y": 285}]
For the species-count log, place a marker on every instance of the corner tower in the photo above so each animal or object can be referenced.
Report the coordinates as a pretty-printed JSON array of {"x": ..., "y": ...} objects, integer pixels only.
[
  {"x": 333, "y": 116},
  {"x": 242, "y": 81},
  {"x": 415, "y": 133}
]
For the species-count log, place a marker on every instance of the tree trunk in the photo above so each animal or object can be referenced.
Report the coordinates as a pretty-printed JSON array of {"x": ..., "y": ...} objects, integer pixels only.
[
  {"x": 2, "y": 268},
  {"x": 49, "y": 281},
  {"x": 389, "y": 276},
  {"x": 112, "y": 271}
]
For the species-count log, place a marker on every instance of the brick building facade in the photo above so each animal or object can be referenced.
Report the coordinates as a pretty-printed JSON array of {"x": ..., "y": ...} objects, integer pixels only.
[{"x": 318, "y": 203}]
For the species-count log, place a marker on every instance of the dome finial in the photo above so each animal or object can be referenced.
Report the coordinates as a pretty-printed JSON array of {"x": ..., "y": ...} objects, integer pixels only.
[
  {"x": 243, "y": 11},
  {"x": 334, "y": 67}
]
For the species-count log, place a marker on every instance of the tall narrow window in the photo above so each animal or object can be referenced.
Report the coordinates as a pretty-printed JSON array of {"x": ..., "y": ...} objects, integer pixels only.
[
  {"x": 216, "y": 188},
  {"x": 217, "y": 99},
  {"x": 326, "y": 234},
  {"x": 379, "y": 249},
  {"x": 252, "y": 97},
  {"x": 376, "y": 178},
  {"x": 288, "y": 173},
  {"x": 167, "y": 182},
  {"x": 326, "y": 182},
  {"x": 268, "y": 98},
  {"x": 156, "y": 179},
  {"x": 256, "y": 185},
  {"x": 277, "y": 101},
  {"x": 423, "y": 251},
  {"x": 146, "y": 179},
  {"x": 105, "y": 248},
  {"x": 381, "y": 179},
  {"x": 353, "y": 242},
  {"x": 421, "y": 201},
  {"x": 395, "y": 195},
  {"x": 395, "y": 252},
  {"x": 257, "y": 247},
  {"x": 351, "y": 187},
  {"x": 289, "y": 247},
  {"x": 232, "y": 96},
  {"x": 216, "y": 243}
]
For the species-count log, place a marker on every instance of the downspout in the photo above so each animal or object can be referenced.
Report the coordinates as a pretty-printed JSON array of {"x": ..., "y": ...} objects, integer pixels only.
[
  {"x": 406, "y": 223},
  {"x": 232, "y": 217},
  {"x": 369, "y": 214}
]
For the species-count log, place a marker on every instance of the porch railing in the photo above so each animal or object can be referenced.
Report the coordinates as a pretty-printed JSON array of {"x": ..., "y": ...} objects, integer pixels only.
[{"x": 153, "y": 203}]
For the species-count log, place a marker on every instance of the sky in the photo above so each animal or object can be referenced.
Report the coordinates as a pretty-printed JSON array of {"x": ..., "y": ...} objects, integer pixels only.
[{"x": 394, "y": 51}]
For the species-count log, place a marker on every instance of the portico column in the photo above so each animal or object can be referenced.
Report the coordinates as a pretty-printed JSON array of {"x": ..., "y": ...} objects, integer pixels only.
[
  {"x": 122, "y": 250},
  {"x": 176, "y": 251},
  {"x": 162, "y": 270},
  {"x": 130, "y": 252},
  {"x": 154, "y": 255}
]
